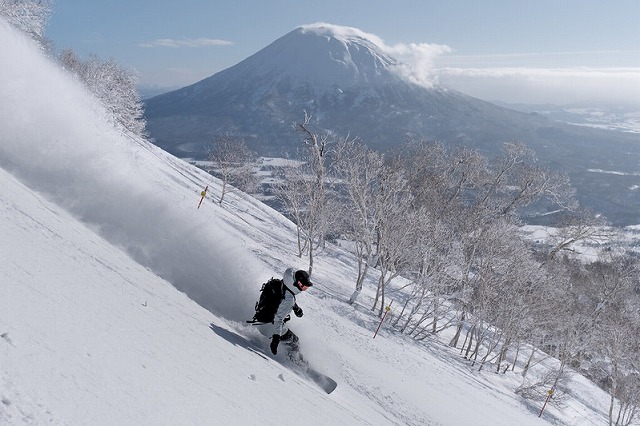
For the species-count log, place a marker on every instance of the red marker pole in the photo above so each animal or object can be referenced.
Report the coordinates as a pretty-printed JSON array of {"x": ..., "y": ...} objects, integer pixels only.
[
  {"x": 386, "y": 311},
  {"x": 204, "y": 194},
  {"x": 549, "y": 395}
]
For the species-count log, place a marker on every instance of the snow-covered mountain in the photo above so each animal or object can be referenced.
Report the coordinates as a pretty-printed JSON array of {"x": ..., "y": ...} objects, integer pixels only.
[
  {"x": 351, "y": 84},
  {"x": 341, "y": 76},
  {"x": 348, "y": 59},
  {"x": 122, "y": 303}
]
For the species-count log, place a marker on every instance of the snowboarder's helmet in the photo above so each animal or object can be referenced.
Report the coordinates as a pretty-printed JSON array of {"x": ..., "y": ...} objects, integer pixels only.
[{"x": 303, "y": 277}]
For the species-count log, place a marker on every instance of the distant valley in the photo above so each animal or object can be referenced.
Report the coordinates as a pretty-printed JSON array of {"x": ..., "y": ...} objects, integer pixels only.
[{"x": 350, "y": 87}]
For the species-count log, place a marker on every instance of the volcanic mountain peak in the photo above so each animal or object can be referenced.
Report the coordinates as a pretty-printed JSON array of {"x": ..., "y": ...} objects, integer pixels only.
[{"x": 325, "y": 54}]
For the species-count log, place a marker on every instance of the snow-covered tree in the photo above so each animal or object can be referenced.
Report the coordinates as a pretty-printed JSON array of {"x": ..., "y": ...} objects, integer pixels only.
[
  {"x": 233, "y": 163},
  {"x": 29, "y": 16},
  {"x": 396, "y": 231},
  {"x": 359, "y": 169},
  {"x": 613, "y": 348},
  {"x": 516, "y": 181},
  {"x": 578, "y": 226},
  {"x": 304, "y": 190},
  {"x": 292, "y": 190},
  {"x": 426, "y": 309},
  {"x": 113, "y": 85}
]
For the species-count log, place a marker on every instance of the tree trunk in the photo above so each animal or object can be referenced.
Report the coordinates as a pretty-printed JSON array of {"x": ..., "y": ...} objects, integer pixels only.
[
  {"x": 310, "y": 257},
  {"x": 503, "y": 353},
  {"x": 528, "y": 363},
  {"x": 454, "y": 341},
  {"x": 354, "y": 296},
  {"x": 613, "y": 391},
  {"x": 223, "y": 191}
]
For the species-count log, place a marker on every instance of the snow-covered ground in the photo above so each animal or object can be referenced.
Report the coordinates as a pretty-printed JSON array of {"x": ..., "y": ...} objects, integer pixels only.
[
  {"x": 123, "y": 303},
  {"x": 616, "y": 118}
]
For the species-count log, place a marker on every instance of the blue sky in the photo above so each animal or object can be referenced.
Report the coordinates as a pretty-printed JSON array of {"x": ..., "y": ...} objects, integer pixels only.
[{"x": 558, "y": 51}]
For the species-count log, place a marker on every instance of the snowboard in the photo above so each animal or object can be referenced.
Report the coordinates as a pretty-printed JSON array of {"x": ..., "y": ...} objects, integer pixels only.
[
  {"x": 325, "y": 382},
  {"x": 293, "y": 361}
]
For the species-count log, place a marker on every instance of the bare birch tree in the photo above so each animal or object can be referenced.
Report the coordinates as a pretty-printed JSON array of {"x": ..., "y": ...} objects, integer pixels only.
[
  {"x": 305, "y": 193},
  {"x": 233, "y": 162},
  {"x": 396, "y": 217},
  {"x": 292, "y": 190},
  {"x": 360, "y": 170}
]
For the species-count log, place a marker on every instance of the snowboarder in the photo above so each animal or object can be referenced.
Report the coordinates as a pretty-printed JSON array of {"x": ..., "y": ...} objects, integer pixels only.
[
  {"x": 295, "y": 282},
  {"x": 281, "y": 299}
]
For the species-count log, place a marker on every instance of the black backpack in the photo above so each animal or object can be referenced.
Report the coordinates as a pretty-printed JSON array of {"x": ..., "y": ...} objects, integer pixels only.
[{"x": 271, "y": 294}]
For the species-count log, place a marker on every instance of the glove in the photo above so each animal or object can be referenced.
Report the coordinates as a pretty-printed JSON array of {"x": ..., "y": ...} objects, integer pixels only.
[
  {"x": 275, "y": 339},
  {"x": 297, "y": 310}
]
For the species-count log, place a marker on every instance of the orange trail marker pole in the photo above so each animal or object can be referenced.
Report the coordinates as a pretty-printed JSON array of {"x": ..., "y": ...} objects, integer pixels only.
[
  {"x": 386, "y": 311},
  {"x": 204, "y": 194}
]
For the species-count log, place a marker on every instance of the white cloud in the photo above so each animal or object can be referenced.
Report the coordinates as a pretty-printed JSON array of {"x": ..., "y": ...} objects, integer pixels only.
[
  {"x": 561, "y": 86},
  {"x": 416, "y": 59},
  {"x": 342, "y": 32},
  {"x": 419, "y": 59},
  {"x": 185, "y": 42}
]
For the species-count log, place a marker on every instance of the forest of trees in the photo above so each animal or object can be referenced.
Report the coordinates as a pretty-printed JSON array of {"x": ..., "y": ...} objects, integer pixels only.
[{"x": 438, "y": 230}]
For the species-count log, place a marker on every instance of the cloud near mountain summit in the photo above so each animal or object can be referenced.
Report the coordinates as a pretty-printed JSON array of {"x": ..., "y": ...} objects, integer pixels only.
[{"x": 416, "y": 61}]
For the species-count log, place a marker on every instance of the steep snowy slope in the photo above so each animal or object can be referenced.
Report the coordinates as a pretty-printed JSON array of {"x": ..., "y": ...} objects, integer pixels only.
[
  {"x": 103, "y": 256},
  {"x": 91, "y": 337}
]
